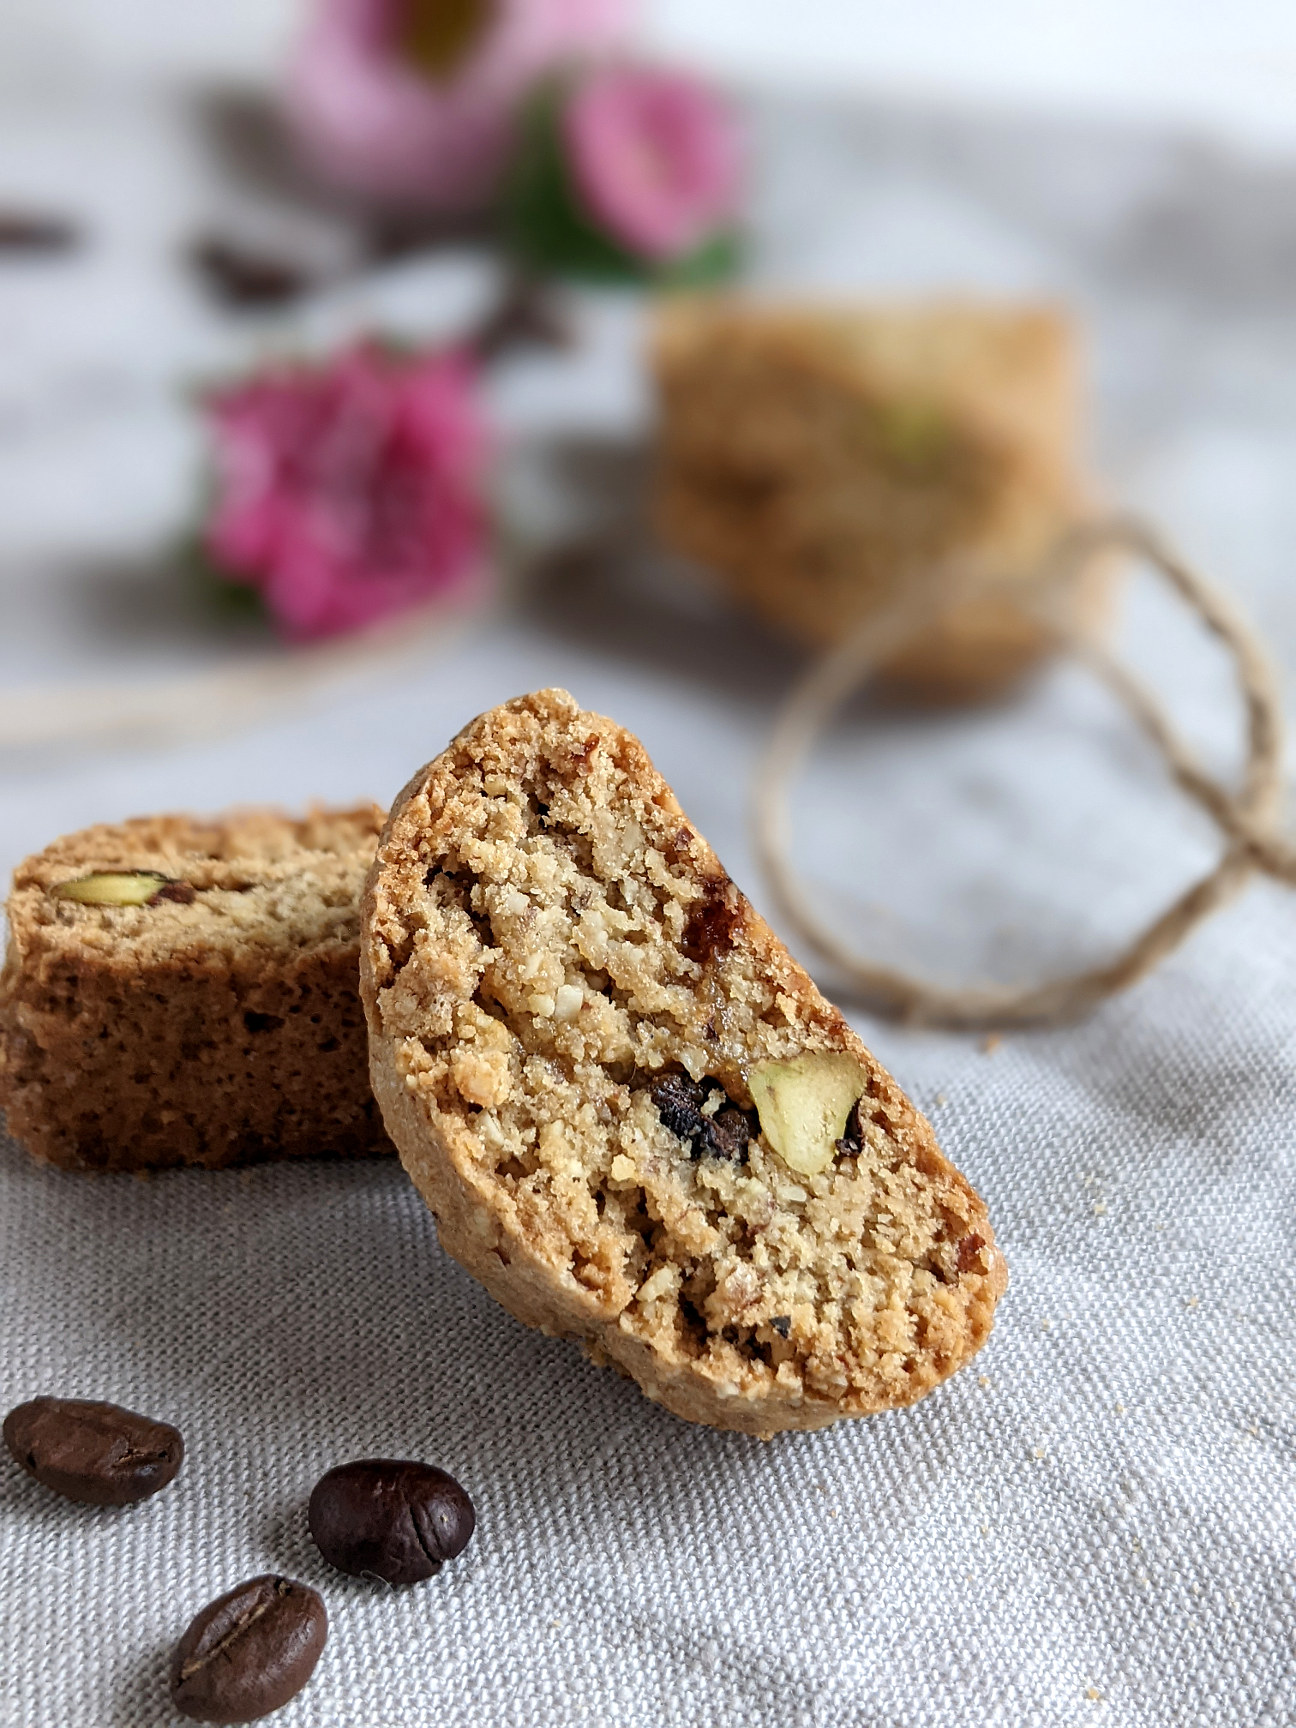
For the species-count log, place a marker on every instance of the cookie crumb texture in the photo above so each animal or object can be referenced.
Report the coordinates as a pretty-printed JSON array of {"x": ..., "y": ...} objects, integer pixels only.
[
  {"x": 216, "y": 1019},
  {"x": 567, "y": 1000}
]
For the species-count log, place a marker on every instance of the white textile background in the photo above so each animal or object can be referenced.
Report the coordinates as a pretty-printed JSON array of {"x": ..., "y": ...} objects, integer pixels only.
[{"x": 1095, "y": 1523}]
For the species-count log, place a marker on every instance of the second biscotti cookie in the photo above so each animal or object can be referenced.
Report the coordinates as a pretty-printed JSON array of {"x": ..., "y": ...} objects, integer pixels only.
[
  {"x": 185, "y": 991},
  {"x": 816, "y": 458},
  {"x": 637, "y": 1121}
]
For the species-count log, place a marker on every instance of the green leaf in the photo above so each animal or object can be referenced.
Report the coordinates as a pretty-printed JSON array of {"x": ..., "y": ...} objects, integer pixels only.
[
  {"x": 549, "y": 230},
  {"x": 224, "y": 600}
]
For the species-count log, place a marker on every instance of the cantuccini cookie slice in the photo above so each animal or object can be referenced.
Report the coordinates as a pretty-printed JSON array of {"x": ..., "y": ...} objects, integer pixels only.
[
  {"x": 180, "y": 991},
  {"x": 637, "y": 1121}
]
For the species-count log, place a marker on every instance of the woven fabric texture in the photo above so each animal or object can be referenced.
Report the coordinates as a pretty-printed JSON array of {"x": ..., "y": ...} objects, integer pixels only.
[{"x": 1099, "y": 1511}]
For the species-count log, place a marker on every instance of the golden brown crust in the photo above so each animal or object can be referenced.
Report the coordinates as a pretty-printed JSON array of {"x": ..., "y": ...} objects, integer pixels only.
[
  {"x": 813, "y": 457},
  {"x": 217, "y": 1027},
  {"x": 545, "y": 936}
]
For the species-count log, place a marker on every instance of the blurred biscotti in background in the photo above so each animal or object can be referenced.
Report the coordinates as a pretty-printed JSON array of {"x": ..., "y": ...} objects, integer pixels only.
[
  {"x": 816, "y": 457},
  {"x": 180, "y": 991}
]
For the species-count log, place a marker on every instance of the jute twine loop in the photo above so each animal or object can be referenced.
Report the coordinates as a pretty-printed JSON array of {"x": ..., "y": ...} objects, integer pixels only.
[{"x": 1247, "y": 818}]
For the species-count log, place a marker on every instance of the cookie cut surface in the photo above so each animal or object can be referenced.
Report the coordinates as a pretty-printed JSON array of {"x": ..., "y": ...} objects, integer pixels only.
[
  {"x": 637, "y": 1121},
  {"x": 186, "y": 991}
]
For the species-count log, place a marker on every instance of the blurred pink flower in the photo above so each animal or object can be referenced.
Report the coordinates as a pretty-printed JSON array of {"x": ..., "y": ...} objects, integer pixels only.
[
  {"x": 351, "y": 490},
  {"x": 413, "y": 101},
  {"x": 655, "y": 156}
]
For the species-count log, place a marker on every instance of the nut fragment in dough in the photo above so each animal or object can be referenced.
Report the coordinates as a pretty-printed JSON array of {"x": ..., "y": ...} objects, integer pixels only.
[
  {"x": 804, "y": 1105},
  {"x": 112, "y": 888}
]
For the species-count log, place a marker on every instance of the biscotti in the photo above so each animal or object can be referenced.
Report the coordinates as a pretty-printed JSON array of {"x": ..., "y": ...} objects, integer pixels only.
[
  {"x": 636, "y": 1119},
  {"x": 814, "y": 458},
  {"x": 181, "y": 991}
]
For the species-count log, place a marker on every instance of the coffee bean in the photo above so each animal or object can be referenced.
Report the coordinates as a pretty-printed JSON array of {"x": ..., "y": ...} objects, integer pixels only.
[
  {"x": 249, "y": 1652},
  {"x": 98, "y": 1454},
  {"x": 395, "y": 1520}
]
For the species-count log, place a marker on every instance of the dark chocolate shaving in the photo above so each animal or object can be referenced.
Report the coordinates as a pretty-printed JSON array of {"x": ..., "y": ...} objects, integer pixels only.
[
  {"x": 33, "y": 231},
  {"x": 851, "y": 1143},
  {"x": 679, "y": 1100}
]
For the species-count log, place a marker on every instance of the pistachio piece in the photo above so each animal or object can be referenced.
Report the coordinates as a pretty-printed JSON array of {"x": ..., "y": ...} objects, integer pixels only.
[
  {"x": 914, "y": 434},
  {"x": 113, "y": 888},
  {"x": 804, "y": 1105}
]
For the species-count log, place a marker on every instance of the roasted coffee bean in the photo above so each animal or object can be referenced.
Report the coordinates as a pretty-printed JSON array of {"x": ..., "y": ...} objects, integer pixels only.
[
  {"x": 395, "y": 1520},
  {"x": 98, "y": 1454},
  {"x": 525, "y": 316},
  {"x": 722, "y": 1134},
  {"x": 242, "y": 276},
  {"x": 248, "y": 1652}
]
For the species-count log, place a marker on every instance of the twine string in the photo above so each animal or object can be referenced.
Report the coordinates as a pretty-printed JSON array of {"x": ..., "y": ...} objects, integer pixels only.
[{"x": 1247, "y": 818}]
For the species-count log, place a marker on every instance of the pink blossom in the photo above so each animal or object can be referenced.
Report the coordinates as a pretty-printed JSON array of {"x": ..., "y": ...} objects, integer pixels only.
[
  {"x": 655, "y": 157},
  {"x": 350, "y": 490},
  {"x": 374, "y": 118}
]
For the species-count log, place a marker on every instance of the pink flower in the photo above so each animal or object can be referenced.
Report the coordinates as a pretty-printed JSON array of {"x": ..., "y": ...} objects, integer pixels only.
[
  {"x": 413, "y": 101},
  {"x": 351, "y": 490},
  {"x": 655, "y": 156}
]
